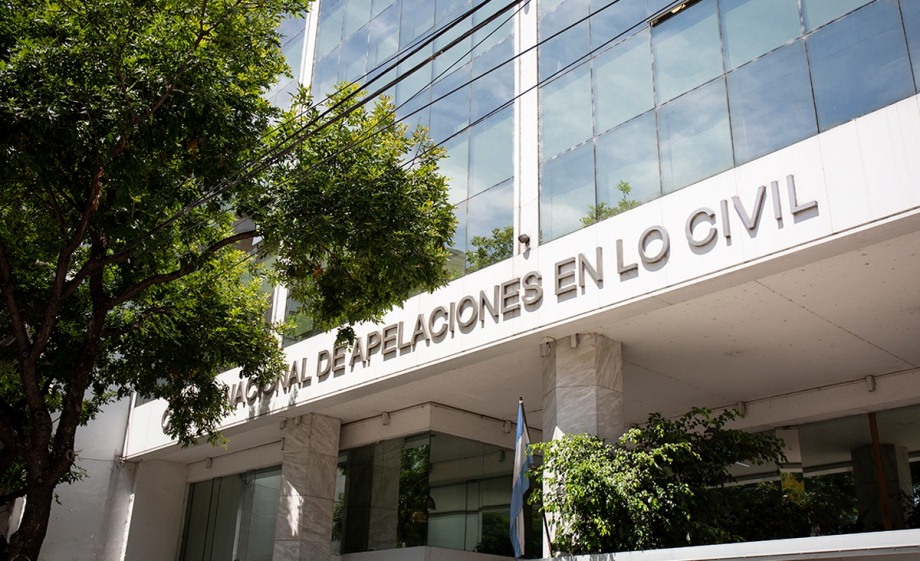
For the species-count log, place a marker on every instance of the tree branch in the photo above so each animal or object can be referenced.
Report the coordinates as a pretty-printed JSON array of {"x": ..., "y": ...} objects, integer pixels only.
[
  {"x": 12, "y": 305},
  {"x": 185, "y": 270}
]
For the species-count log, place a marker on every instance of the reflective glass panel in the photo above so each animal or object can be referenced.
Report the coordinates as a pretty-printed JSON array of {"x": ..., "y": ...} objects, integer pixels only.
[
  {"x": 325, "y": 75},
  {"x": 771, "y": 103},
  {"x": 859, "y": 64},
  {"x": 565, "y": 111},
  {"x": 496, "y": 84},
  {"x": 571, "y": 43},
  {"x": 353, "y": 57},
  {"x": 819, "y": 12},
  {"x": 754, "y": 27},
  {"x": 293, "y": 54},
  {"x": 417, "y": 19},
  {"x": 687, "y": 50},
  {"x": 629, "y": 154},
  {"x": 378, "y": 6},
  {"x": 495, "y": 31},
  {"x": 450, "y": 110},
  {"x": 695, "y": 137},
  {"x": 357, "y": 13},
  {"x": 911, "y": 11},
  {"x": 490, "y": 227},
  {"x": 384, "y": 39},
  {"x": 329, "y": 30},
  {"x": 608, "y": 20},
  {"x": 623, "y": 82},
  {"x": 455, "y": 166},
  {"x": 566, "y": 192},
  {"x": 491, "y": 152},
  {"x": 459, "y": 54},
  {"x": 456, "y": 261}
]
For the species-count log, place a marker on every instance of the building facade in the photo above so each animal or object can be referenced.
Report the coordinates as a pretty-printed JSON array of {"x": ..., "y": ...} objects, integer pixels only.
[{"x": 662, "y": 205}]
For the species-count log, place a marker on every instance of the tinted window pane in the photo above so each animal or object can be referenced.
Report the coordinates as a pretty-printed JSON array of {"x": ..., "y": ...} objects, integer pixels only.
[
  {"x": 911, "y": 11},
  {"x": 450, "y": 108},
  {"x": 490, "y": 229},
  {"x": 459, "y": 54},
  {"x": 695, "y": 138},
  {"x": 325, "y": 75},
  {"x": 566, "y": 192},
  {"x": 495, "y": 32},
  {"x": 293, "y": 54},
  {"x": 329, "y": 31},
  {"x": 455, "y": 167},
  {"x": 357, "y": 13},
  {"x": 629, "y": 154},
  {"x": 607, "y": 23},
  {"x": 491, "y": 152},
  {"x": 623, "y": 82},
  {"x": 495, "y": 86},
  {"x": 570, "y": 45},
  {"x": 456, "y": 262},
  {"x": 353, "y": 57},
  {"x": 771, "y": 103},
  {"x": 687, "y": 50},
  {"x": 417, "y": 19},
  {"x": 384, "y": 40},
  {"x": 859, "y": 64},
  {"x": 819, "y": 12},
  {"x": 754, "y": 27},
  {"x": 566, "y": 112}
]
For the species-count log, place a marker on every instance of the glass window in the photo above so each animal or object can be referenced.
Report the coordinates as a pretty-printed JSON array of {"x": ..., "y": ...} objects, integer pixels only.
[
  {"x": 695, "y": 137},
  {"x": 459, "y": 54},
  {"x": 623, "y": 82},
  {"x": 495, "y": 32},
  {"x": 491, "y": 152},
  {"x": 456, "y": 261},
  {"x": 819, "y": 12},
  {"x": 293, "y": 54},
  {"x": 329, "y": 32},
  {"x": 353, "y": 57},
  {"x": 378, "y": 6},
  {"x": 417, "y": 19},
  {"x": 566, "y": 192},
  {"x": 565, "y": 111},
  {"x": 490, "y": 227},
  {"x": 628, "y": 154},
  {"x": 608, "y": 20},
  {"x": 569, "y": 46},
  {"x": 687, "y": 50},
  {"x": 911, "y": 11},
  {"x": 859, "y": 64},
  {"x": 771, "y": 103},
  {"x": 325, "y": 75},
  {"x": 232, "y": 517},
  {"x": 754, "y": 27},
  {"x": 450, "y": 110},
  {"x": 496, "y": 85},
  {"x": 357, "y": 13},
  {"x": 455, "y": 166},
  {"x": 447, "y": 10},
  {"x": 384, "y": 37}
]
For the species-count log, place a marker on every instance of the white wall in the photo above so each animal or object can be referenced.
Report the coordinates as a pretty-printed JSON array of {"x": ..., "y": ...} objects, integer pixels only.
[{"x": 89, "y": 521}]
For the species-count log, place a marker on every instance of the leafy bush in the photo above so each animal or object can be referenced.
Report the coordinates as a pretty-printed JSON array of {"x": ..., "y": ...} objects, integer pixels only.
[{"x": 658, "y": 486}]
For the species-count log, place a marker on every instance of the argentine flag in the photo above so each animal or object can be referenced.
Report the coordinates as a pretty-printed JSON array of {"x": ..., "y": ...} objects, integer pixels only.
[{"x": 522, "y": 463}]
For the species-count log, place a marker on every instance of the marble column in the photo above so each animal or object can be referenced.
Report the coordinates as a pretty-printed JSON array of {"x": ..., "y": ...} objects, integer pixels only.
[
  {"x": 583, "y": 386},
  {"x": 308, "y": 471}
]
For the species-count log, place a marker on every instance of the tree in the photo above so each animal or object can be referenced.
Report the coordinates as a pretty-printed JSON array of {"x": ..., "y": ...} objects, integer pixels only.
[
  {"x": 489, "y": 250},
  {"x": 603, "y": 211},
  {"x": 134, "y": 176},
  {"x": 657, "y": 486}
]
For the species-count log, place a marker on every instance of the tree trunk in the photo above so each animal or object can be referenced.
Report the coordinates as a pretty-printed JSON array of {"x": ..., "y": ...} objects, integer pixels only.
[{"x": 27, "y": 541}]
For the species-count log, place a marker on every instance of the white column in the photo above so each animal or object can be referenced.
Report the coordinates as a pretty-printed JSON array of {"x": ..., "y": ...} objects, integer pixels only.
[
  {"x": 308, "y": 471},
  {"x": 583, "y": 386},
  {"x": 158, "y": 511}
]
